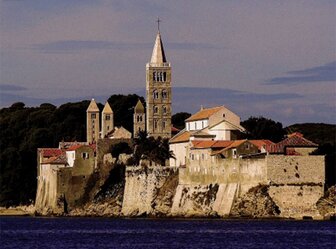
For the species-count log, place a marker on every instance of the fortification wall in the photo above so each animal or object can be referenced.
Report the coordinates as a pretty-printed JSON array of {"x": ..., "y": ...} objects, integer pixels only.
[
  {"x": 296, "y": 184},
  {"x": 141, "y": 188}
]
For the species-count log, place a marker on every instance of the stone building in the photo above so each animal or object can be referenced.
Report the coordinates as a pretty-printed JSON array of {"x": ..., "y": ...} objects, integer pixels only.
[
  {"x": 92, "y": 125},
  {"x": 216, "y": 123},
  {"x": 107, "y": 120},
  {"x": 158, "y": 93},
  {"x": 139, "y": 119}
]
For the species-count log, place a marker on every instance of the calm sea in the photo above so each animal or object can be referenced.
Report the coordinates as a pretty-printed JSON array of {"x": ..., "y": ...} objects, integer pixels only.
[{"x": 31, "y": 232}]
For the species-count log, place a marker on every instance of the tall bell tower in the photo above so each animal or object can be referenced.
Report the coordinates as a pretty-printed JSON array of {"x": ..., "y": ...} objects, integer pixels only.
[{"x": 158, "y": 92}]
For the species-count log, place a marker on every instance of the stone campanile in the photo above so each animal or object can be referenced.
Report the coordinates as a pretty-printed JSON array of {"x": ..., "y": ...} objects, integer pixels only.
[
  {"x": 158, "y": 93},
  {"x": 92, "y": 122},
  {"x": 138, "y": 119},
  {"x": 107, "y": 124}
]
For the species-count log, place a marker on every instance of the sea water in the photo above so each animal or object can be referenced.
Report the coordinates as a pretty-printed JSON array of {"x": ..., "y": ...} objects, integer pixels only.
[{"x": 38, "y": 232}]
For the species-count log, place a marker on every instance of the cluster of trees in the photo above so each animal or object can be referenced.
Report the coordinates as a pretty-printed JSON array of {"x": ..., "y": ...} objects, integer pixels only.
[{"x": 24, "y": 129}]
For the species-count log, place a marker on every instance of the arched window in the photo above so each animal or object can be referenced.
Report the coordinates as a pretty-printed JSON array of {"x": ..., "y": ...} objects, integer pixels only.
[
  {"x": 154, "y": 76},
  {"x": 138, "y": 118},
  {"x": 155, "y": 109},
  {"x": 164, "y": 94},
  {"x": 164, "y": 109},
  {"x": 155, "y": 94},
  {"x": 155, "y": 124}
]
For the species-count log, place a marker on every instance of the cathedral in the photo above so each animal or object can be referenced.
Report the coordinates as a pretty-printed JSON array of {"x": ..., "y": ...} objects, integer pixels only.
[{"x": 155, "y": 119}]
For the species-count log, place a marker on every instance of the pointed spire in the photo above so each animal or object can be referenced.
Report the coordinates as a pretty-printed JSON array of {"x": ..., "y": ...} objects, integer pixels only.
[
  {"x": 107, "y": 108},
  {"x": 93, "y": 107},
  {"x": 139, "y": 108},
  {"x": 158, "y": 55}
]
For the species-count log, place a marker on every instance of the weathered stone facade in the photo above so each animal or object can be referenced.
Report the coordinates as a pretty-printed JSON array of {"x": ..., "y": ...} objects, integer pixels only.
[{"x": 158, "y": 93}]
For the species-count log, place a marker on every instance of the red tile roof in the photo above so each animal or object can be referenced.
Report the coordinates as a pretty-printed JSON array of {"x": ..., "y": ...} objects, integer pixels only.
[
  {"x": 173, "y": 129},
  {"x": 293, "y": 140},
  {"x": 262, "y": 144},
  {"x": 181, "y": 137},
  {"x": 204, "y": 114},
  {"x": 74, "y": 147},
  {"x": 203, "y": 144},
  {"x": 50, "y": 152}
]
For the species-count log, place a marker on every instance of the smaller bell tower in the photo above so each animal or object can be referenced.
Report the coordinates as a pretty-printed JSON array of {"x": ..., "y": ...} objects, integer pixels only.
[
  {"x": 107, "y": 120},
  {"x": 92, "y": 122},
  {"x": 139, "y": 119}
]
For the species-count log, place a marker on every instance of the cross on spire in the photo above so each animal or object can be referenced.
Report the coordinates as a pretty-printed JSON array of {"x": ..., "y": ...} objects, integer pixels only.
[{"x": 158, "y": 22}]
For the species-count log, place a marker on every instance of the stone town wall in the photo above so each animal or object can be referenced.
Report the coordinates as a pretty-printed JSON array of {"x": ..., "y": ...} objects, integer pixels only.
[
  {"x": 296, "y": 184},
  {"x": 141, "y": 186}
]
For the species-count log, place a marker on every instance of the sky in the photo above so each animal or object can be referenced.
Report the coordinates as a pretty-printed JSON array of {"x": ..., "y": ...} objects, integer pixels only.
[{"x": 257, "y": 57}]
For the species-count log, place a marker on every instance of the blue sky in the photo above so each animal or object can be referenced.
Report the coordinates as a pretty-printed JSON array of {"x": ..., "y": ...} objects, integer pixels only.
[{"x": 265, "y": 57}]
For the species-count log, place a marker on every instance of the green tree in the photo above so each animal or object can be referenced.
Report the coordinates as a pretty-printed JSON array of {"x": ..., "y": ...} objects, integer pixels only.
[
  {"x": 178, "y": 119},
  {"x": 263, "y": 128}
]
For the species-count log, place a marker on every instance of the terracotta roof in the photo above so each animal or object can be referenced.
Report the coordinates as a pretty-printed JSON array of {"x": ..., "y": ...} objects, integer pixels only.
[
  {"x": 181, "y": 137},
  {"x": 263, "y": 143},
  {"x": 204, "y": 113},
  {"x": 294, "y": 140},
  {"x": 213, "y": 144},
  {"x": 50, "y": 152},
  {"x": 233, "y": 144},
  {"x": 74, "y": 147}
]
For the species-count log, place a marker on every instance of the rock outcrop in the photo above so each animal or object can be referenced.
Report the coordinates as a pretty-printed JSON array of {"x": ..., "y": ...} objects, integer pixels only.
[
  {"x": 256, "y": 203},
  {"x": 327, "y": 204}
]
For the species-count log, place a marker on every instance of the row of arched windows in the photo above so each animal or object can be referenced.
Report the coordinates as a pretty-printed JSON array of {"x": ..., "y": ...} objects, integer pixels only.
[
  {"x": 156, "y": 109},
  {"x": 164, "y": 94},
  {"x": 159, "y": 76},
  {"x": 156, "y": 124}
]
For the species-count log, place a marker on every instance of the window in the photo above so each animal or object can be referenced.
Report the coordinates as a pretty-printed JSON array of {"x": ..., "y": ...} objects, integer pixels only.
[
  {"x": 164, "y": 94},
  {"x": 164, "y": 76},
  {"x": 234, "y": 153},
  {"x": 93, "y": 115},
  {"x": 247, "y": 146},
  {"x": 85, "y": 155},
  {"x": 154, "y": 76},
  {"x": 155, "y": 109},
  {"x": 107, "y": 117},
  {"x": 155, "y": 94},
  {"x": 192, "y": 157},
  {"x": 164, "y": 124},
  {"x": 164, "y": 109},
  {"x": 155, "y": 124}
]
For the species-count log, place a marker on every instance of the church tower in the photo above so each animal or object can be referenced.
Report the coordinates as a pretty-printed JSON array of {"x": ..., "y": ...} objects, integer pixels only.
[
  {"x": 158, "y": 92},
  {"x": 139, "y": 119},
  {"x": 92, "y": 124},
  {"x": 107, "y": 120}
]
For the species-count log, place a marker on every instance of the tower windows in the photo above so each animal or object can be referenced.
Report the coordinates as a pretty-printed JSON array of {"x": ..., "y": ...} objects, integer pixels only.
[
  {"x": 155, "y": 124},
  {"x": 93, "y": 115},
  {"x": 159, "y": 76},
  {"x": 155, "y": 94},
  {"x": 163, "y": 124},
  {"x": 107, "y": 117},
  {"x": 164, "y": 94},
  {"x": 164, "y": 109},
  {"x": 156, "y": 109}
]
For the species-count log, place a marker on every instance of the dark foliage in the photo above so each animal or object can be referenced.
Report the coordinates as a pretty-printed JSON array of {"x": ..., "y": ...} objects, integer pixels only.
[
  {"x": 123, "y": 109},
  {"x": 156, "y": 150},
  {"x": 121, "y": 148},
  {"x": 179, "y": 118},
  {"x": 263, "y": 128}
]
